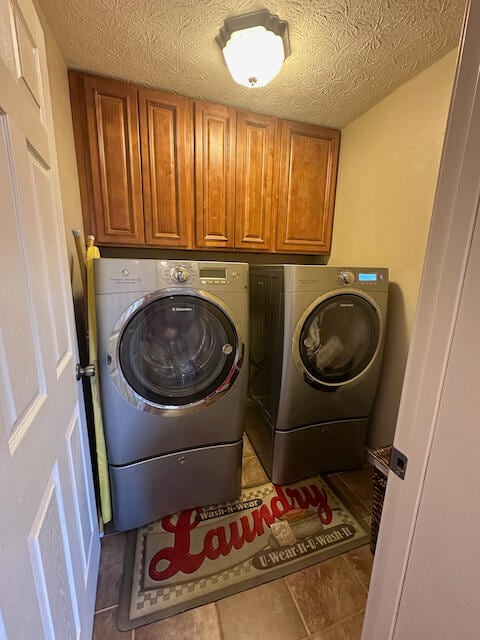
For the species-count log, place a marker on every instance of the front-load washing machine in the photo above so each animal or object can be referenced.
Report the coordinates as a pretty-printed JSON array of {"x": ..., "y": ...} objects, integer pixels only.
[
  {"x": 172, "y": 338},
  {"x": 317, "y": 335}
]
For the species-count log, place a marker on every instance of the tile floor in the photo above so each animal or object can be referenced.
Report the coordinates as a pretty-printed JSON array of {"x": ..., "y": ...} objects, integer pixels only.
[{"x": 323, "y": 602}]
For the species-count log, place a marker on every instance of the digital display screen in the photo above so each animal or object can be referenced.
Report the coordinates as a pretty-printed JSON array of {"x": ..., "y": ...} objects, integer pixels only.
[
  {"x": 214, "y": 274},
  {"x": 367, "y": 277}
]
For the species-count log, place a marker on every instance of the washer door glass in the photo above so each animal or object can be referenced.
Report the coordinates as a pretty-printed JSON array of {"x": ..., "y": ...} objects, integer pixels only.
[
  {"x": 178, "y": 350},
  {"x": 339, "y": 338}
]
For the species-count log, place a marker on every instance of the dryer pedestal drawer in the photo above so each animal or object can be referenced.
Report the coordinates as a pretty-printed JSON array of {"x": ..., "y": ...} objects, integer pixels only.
[
  {"x": 329, "y": 446},
  {"x": 148, "y": 490}
]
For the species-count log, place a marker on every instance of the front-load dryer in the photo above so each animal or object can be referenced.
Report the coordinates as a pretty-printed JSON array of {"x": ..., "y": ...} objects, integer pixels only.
[
  {"x": 172, "y": 338},
  {"x": 317, "y": 337}
]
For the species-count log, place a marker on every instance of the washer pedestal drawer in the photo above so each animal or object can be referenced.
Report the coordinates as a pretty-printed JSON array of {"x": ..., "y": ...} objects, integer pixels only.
[{"x": 148, "y": 490}]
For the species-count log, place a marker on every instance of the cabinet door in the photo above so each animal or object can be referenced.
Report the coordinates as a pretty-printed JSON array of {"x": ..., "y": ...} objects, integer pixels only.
[
  {"x": 166, "y": 126},
  {"x": 105, "y": 118},
  {"x": 214, "y": 175},
  {"x": 254, "y": 181},
  {"x": 307, "y": 180}
]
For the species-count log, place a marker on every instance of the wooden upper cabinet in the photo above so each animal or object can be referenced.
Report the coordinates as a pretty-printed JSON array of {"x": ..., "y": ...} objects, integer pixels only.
[
  {"x": 105, "y": 117},
  {"x": 307, "y": 180},
  {"x": 254, "y": 181},
  {"x": 166, "y": 132},
  {"x": 161, "y": 170},
  {"x": 214, "y": 175}
]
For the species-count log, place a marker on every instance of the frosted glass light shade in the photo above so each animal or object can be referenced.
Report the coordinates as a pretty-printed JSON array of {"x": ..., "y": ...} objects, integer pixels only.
[
  {"x": 254, "y": 56},
  {"x": 254, "y": 46}
]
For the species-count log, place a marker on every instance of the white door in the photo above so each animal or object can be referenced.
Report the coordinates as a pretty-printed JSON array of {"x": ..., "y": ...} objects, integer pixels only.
[
  {"x": 49, "y": 544},
  {"x": 425, "y": 580}
]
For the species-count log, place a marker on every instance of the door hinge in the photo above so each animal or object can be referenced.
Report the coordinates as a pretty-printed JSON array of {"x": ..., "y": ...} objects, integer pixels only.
[{"x": 398, "y": 463}]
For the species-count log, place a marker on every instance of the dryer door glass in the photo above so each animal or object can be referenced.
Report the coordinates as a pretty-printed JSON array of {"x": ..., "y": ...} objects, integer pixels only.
[
  {"x": 177, "y": 350},
  {"x": 339, "y": 338}
]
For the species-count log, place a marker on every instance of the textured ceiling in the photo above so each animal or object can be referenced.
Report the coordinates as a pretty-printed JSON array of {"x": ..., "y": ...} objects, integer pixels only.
[{"x": 346, "y": 54}]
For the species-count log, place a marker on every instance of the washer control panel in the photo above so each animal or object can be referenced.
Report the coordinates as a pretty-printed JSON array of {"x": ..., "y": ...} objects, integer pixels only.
[
  {"x": 216, "y": 275},
  {"x": 203, "y": 274}
]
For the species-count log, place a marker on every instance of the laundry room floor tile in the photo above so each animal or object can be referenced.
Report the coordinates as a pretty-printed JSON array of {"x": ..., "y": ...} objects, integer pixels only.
[
  {"x": 350, "y": 497},
  {"x": 349, "y": 629},
  {"x": 197, "y": 624},
  {"x": 253, "y": 473},
  {"x": 361, "y": 561},
  {"x": 267, "y": 612},
  {"x": 111, "y": 570},
  {"x": 248, "y": 450},
  {"x": 360, "y": 481},
  {"x": 327, "y": 593},
  {"x": 105, "y": 627}
]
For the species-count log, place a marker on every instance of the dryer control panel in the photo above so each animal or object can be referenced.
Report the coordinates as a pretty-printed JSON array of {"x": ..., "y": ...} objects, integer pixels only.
[
  {"x": 319, "y": 278},
  {"x": 363, "y": 278}
]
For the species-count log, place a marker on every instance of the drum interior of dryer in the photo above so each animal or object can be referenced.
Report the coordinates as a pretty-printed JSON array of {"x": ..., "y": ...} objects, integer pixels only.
[{"x": 339, "y": 339}]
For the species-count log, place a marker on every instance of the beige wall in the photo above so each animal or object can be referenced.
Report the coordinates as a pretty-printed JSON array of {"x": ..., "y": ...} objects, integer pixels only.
[{"x": 389, "y": 162}]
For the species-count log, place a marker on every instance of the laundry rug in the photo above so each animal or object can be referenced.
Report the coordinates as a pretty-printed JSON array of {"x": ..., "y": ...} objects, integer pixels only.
[{"x": 204, "y": 554}]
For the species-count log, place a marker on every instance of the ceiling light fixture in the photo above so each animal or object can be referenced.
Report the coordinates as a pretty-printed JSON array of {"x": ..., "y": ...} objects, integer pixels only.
[{"x": 254, "y": 46}]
